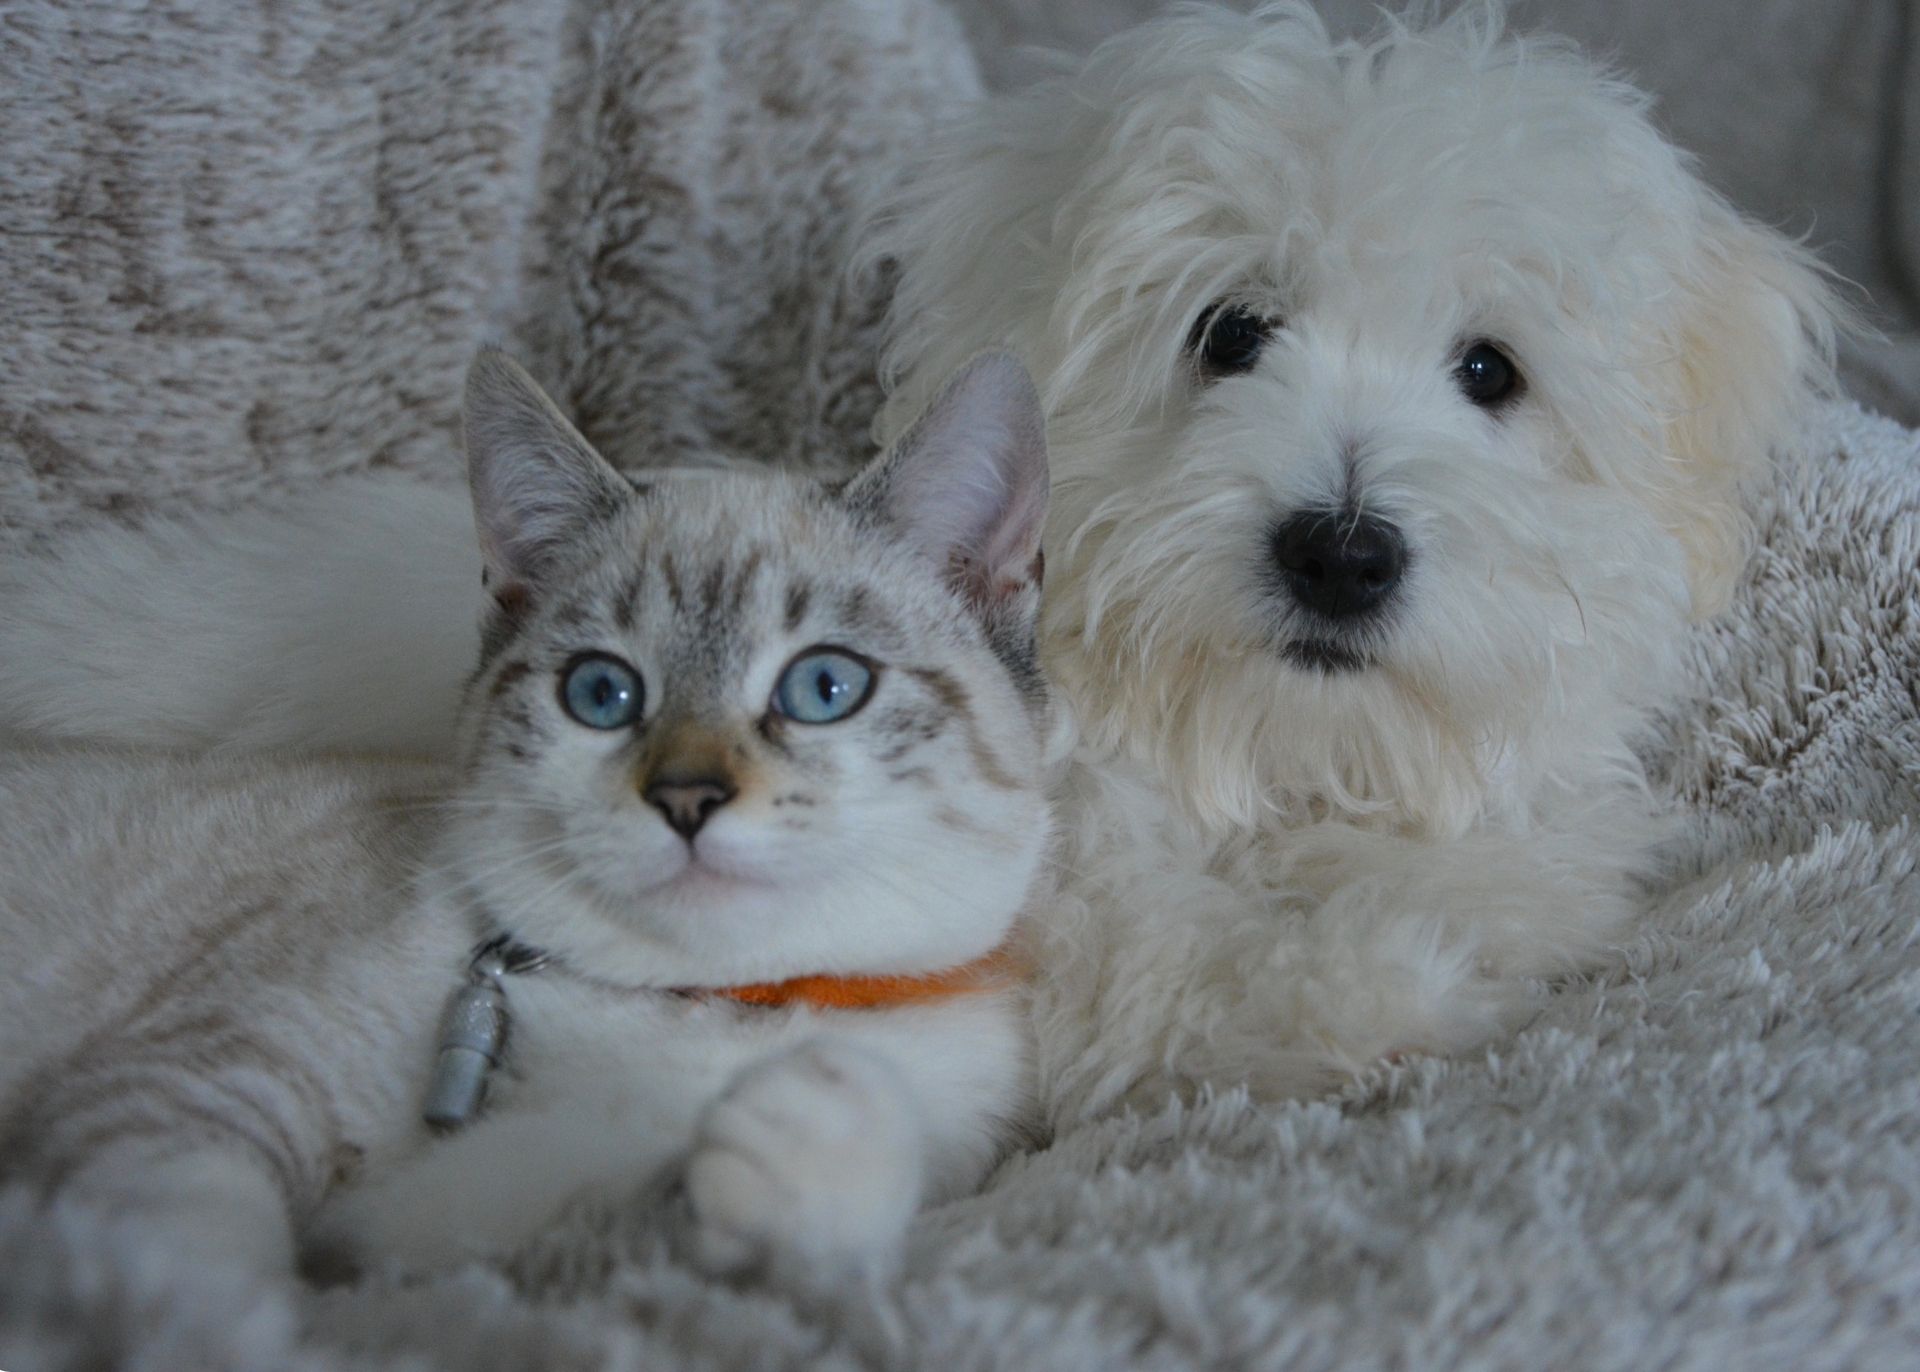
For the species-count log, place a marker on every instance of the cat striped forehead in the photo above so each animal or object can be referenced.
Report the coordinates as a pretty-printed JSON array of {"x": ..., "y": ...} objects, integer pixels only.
[
  {"x": 705, "y": 563},
  {"x": 936, "y": 540},
  {"x": 708, "y": 584}
]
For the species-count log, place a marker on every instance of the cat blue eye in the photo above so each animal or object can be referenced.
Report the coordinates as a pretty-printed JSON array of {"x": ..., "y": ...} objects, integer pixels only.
[
  {"x": 601, "y": 692},
  {"x": 823, "y": 685}
]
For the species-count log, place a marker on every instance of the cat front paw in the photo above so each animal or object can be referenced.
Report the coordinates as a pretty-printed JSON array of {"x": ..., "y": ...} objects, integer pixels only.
[{"x": 808, "y": 1168}]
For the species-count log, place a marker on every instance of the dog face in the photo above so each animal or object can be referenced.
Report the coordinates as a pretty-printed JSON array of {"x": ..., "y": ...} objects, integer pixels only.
[{"x": 1402, "y": 396}]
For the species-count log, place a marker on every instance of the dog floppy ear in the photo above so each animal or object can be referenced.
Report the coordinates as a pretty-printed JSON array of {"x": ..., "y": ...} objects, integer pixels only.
[{"x": 1752, "y": 339}]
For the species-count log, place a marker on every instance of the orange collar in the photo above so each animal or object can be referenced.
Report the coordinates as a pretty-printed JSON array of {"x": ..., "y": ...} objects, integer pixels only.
[
  {"x": 997, "y": 969},
  {"x": 476, "y": 1019}
]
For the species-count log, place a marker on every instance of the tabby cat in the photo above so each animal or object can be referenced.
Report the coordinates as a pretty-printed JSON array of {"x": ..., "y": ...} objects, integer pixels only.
[{"x": 748, "y": 793}]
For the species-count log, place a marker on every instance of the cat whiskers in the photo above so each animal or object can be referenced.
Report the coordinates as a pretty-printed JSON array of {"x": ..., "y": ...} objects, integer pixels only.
[
  {"x": 500, "y": 871},
  {"x": 470, "y": 804}
]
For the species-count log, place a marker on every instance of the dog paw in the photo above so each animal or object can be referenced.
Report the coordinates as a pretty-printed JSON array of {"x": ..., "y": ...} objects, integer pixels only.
[{"x": 807, "y": 1168}]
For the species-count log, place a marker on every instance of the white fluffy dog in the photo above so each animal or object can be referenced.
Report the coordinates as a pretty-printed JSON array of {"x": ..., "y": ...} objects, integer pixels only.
[{"x": 1401, "y": 396}]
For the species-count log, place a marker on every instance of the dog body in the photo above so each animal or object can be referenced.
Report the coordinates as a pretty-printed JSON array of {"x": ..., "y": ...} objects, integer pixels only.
[{"x": 1402, "y": 397}]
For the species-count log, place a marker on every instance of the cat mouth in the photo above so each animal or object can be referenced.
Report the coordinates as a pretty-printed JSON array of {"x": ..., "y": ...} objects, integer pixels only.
[
  {"x": 696, "y": 877},
  {"x": 702, "y": 872}
]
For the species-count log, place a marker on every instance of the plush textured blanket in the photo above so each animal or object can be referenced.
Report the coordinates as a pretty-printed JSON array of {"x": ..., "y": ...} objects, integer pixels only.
[
  {"x": 245, "y": 246},
  {"x": 250, "y": 245}
]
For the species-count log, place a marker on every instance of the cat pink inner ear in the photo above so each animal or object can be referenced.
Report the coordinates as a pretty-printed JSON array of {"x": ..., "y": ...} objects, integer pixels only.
[
  {"x": 968, "y": 482},
  {"x": 538, "y": 486}
]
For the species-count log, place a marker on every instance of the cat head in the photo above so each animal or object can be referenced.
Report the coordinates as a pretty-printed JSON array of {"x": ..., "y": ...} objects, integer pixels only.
[{"x": 734, "y": 726}]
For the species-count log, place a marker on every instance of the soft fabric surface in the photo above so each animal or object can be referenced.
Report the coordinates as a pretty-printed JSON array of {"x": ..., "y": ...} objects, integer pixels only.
[{"x": 247, "y": 246}]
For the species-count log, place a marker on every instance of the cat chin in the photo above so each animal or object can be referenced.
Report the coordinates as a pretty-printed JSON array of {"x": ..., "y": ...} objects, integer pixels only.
[
  {"x": 720, "y": 931},
  {"x": 699, "y": 876},
  {"x": 704, "y": 880},
  {"x": 638, "y": 907}
]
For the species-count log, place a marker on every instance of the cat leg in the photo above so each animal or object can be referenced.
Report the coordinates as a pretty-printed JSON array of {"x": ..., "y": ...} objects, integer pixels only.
[
  {"x": 487, "y": 1189},
  {"x": 809, "y": 1167},
  {"x": 209, "y": 1164},
  {"x": 202, "y": 1207}
]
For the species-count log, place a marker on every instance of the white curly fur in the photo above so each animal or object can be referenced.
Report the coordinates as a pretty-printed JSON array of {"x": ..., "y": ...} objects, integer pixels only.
[{"x": 1280, "y": 874}]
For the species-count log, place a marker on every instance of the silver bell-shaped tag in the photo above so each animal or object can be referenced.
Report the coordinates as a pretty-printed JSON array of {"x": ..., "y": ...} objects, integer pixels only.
[{"x": 473, "y": 1036}]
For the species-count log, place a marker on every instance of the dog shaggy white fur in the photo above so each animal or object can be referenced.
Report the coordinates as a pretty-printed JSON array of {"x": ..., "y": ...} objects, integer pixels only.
[{"x": 1402, "y": 397}]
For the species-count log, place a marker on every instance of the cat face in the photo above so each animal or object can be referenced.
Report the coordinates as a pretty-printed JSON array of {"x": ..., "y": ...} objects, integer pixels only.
[{"x": 740, "y": 726}]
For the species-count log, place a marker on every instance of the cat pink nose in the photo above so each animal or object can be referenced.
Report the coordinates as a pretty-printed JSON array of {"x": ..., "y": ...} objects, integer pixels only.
[{"x": 687, "y": 801}]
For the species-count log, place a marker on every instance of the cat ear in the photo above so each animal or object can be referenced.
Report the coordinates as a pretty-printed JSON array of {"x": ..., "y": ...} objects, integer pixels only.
[
  {"x": 537, "y": 484},
  {"x": 967, "y": 483}
]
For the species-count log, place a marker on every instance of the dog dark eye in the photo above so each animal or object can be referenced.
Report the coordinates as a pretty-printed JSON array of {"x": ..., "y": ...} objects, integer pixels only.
[
  {"x": 1228, "y": 339},
  {"x": 1486, "y": 375}
]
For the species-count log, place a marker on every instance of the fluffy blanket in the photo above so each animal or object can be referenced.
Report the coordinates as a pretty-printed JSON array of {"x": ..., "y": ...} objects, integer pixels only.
[
  {"x": 249, "y": 245},
  {"x": 245, "y": 245}
]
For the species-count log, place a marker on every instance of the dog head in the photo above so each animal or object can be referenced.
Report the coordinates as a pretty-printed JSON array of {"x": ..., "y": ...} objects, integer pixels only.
[{"x": 1403, "y": 395}]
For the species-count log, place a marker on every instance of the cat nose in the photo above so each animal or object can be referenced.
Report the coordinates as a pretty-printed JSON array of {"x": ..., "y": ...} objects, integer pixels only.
[
  {"x": 687, "y": 801},
  {"x": 1341, "y": 565}
]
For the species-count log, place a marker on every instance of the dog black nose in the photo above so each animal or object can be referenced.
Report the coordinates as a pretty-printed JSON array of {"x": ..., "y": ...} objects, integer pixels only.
[
  {"x": 1339, "y": 564},
  {"x": 688, "y": 801}
]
